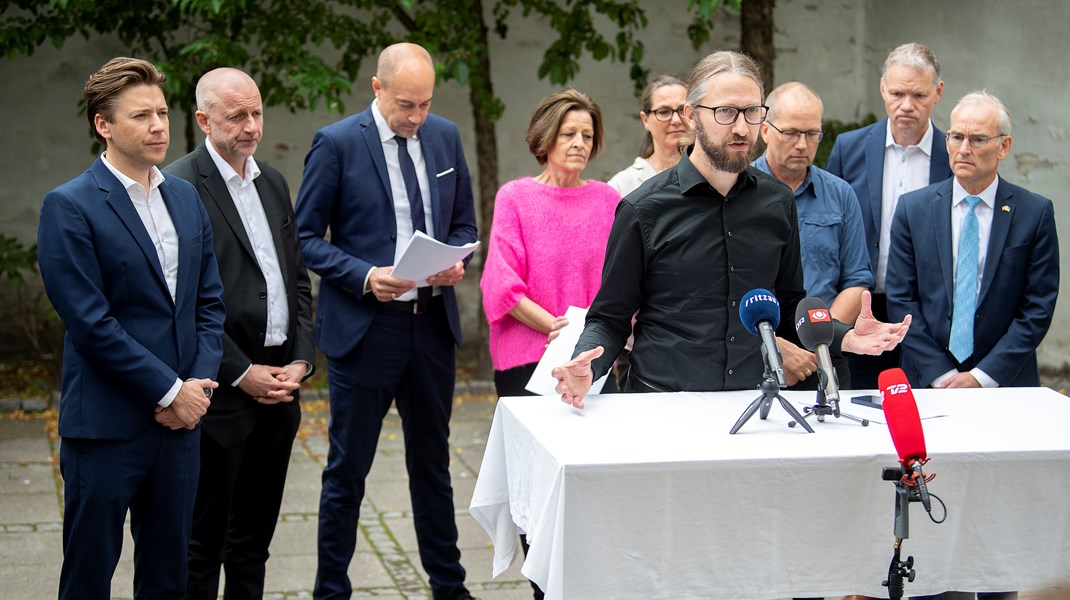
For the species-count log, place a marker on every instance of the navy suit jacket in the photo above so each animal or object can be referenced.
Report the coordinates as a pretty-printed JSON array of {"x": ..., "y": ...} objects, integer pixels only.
[
  {"x": 126, "y": 340},
  {"x": 1019, "y": 285},
  {"x": 858, "y": 157},
  {"x": 244, "y": 286},
  {"x": 346, "y": 188}
]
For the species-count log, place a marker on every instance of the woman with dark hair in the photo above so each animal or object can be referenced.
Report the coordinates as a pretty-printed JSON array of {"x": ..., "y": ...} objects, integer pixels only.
[{"x": 662, "y": 114}]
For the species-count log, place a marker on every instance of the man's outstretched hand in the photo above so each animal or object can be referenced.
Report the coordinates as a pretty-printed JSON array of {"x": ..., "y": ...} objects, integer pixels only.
[
  {"x": 871, "y": 336},
  {"x": 574, "y": 378}
]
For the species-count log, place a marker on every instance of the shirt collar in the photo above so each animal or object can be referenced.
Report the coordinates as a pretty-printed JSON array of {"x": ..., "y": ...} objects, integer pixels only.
[
  {"x": 690, "y": 178},
  {"x": 157, "y": 176},
  {"x": 925, "y": 145},
  {"x": 385, "y": 133},
  {"x": 252, "y": 170},
  {"x": 987, "y": 195}
]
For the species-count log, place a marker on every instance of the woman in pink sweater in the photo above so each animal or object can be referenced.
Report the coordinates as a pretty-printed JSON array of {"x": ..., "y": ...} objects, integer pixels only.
[{"x": 548, "y": 239}]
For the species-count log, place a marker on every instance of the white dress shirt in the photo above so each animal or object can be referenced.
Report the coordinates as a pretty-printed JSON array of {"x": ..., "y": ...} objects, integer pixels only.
[
  {"x": 906, "y": 168},
  {"x": 161, "y": 229},
  {"x": 985, "y": 210},
  {"x": 402, "y": 211},
  {"x": 251, "y": 209}
]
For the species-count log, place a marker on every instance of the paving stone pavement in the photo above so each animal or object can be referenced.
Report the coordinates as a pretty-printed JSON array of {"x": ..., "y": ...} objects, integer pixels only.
[{"x": 386, "y": 565}]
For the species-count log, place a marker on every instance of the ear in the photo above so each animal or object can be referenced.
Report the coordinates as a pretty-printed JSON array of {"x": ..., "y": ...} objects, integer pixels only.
[
  {"x": 690, "y": 116},
  {"x": 1004, "y": 147},
  {"x": 102, "y": 126},
  {"x": 763, "y": 129},
  {"x": 377, "y": 86},
  {"x": 939, "y": 91},
  {"x": 202, "y": 122}
]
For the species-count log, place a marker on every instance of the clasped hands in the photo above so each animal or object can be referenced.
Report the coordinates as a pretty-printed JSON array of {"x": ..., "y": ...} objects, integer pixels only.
[
  {"x": 385, "y": 287},
  {"x": 186, "y": 410}
]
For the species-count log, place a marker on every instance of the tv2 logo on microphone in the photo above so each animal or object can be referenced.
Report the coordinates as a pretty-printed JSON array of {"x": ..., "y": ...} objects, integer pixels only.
[{"x": 898, "y": 388}]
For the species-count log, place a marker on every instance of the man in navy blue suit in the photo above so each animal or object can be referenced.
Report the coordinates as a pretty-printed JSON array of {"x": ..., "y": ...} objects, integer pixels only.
[
  {"x": 975, "y": 260},
  {"x": 887, "y": 159},
  {"x": 373, "y": 180},
  {"x": 1016, "y": 263},
  {"x": 127, "y": 261}
]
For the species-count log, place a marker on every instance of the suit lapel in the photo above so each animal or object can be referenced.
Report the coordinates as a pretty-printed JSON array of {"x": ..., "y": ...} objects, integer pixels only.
[
  {"x": 120, "y": 202},
  {"x": 276, "y": 217},
  {"x": 997, "y": 238},
  {"x": 185, "y": 231},
  {"x": 427, "y": 147},
  {"x": 939, "y": 167},
  {"x": 940, "y": 216},
  {"x": 217, "y": 193},
  {"x": 875, "y": 171},
  {"x": 370, "y": 133}
]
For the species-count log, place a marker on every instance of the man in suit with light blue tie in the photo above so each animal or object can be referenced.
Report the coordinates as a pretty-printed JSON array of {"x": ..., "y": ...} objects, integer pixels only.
[
  {"x": 373, "y": 180},
  {"x": 126, "y": 257},
  {"x": 887, "y": 159},
  {"x": 975, "y": 260}
]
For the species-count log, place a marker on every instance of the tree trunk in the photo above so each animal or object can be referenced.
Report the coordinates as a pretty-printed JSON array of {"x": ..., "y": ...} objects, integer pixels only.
[
  {"x": 756, "y": 28},
  {"x": 481, "y": 93}
]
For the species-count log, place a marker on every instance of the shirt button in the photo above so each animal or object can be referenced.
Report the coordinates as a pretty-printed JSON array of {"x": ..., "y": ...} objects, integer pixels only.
[
  {"x": 732, "y": 339},
  {"x": 733, "y": 303},
  {"x": 729, "y": 234},
  {"x": 732, "y": 269},
  {"x": 730, "y": 371}
]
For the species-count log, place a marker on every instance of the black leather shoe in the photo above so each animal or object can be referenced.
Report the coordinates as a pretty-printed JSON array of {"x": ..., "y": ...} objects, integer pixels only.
[{"x": 462, "y": 594}]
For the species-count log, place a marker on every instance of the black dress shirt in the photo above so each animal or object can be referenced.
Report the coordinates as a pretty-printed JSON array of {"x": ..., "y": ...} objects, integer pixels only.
[{"x": 680, "y": 257}]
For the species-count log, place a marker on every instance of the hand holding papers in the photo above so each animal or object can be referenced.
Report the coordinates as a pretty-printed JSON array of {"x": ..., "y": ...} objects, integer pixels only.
[
  {"x": 424, "y": 256},
  {"x": 559, "y": 352}
]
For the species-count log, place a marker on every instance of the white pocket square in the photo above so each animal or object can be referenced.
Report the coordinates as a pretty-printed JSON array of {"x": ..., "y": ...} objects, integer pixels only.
[{"x": 444, "y": 173}]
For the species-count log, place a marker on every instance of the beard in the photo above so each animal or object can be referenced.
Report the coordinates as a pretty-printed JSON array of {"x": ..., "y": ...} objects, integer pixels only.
[{"x": 719, "y": 157}]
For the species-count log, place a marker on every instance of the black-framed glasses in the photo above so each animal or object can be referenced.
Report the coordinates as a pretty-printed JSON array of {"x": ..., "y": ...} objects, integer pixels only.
[
  {"x": 977, "y": 142},
  {"x": 727, "y": 115},
  {"x": 792, "y": 135},
  {"x": 665, "y": 114}
]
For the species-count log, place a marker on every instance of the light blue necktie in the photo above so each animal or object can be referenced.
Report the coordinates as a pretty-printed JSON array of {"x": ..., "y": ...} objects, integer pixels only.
[{"x": 965, "y": 286}]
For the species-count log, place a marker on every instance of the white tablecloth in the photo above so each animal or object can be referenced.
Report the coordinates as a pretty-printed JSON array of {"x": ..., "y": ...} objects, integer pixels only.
[{"x": 648, "y": 496}]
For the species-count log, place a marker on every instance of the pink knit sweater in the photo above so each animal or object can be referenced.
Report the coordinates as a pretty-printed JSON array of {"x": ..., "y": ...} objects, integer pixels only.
[{"x": 548, "y": 244}]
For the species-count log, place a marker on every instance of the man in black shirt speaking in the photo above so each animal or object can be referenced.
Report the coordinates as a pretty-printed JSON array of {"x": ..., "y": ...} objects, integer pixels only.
[{"x": 689, "y": 244}]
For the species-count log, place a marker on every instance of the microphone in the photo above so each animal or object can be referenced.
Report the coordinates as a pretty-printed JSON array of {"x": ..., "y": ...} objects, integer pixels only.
[
  {"x": 904, "y": 423},
  {"x": 813, "y": 323},
  {"x": 760, "y": 312}
]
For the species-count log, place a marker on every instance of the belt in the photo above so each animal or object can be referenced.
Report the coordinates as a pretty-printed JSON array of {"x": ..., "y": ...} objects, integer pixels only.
[{"x": 412, "y": 307}]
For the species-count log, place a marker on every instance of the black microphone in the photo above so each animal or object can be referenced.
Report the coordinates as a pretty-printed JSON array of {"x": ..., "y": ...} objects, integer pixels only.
[
  {"x": 813, "y": 323},
  {"x": 760, "y": 312}
]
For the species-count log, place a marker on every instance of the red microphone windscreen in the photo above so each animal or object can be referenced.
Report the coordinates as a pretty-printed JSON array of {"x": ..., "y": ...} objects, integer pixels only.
[{"x": 901, "y": 412}]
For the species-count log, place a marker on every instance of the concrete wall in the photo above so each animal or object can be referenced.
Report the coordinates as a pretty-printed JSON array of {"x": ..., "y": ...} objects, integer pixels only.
[{"x": 1017, "y": 50}]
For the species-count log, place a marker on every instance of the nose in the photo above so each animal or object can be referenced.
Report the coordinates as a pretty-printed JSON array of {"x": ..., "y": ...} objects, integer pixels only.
[
  {"x": 740, "y": 127},
  {"x": 801, "y": 143},
  {"x": 677, "y": 115}
]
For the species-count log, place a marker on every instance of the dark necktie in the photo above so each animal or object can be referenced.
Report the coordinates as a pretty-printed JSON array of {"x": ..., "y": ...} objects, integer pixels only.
[{"x": 416, "y": 205}]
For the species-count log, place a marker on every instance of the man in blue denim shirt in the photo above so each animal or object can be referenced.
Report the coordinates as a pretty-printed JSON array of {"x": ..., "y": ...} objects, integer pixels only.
[{"x": 834, "y": 257}]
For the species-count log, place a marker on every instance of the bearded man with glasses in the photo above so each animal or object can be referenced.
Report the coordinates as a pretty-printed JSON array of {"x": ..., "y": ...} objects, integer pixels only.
[
  {"x": 689, "y": 244},
  {"x": 834, "y": 257}
]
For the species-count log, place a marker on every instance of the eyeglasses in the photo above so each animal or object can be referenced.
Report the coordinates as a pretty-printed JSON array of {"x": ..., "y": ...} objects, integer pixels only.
[
  {"x": 954, "y": 140},
  {"x": 665, "y": 114},
  {"x": 792, "y": 135},
  {"x": 727, "y": 115}
]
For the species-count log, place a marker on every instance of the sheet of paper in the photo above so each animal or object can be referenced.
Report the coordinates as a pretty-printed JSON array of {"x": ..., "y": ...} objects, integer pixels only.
[
  {"x": 559, "y": 352},
  {"x": 424, "y": 256}
]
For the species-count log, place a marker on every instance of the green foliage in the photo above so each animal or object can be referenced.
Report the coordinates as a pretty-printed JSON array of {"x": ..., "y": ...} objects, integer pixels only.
[
  {"x": 702, "y": 18},
  {"x": 833, "y": 128},
  {"x": 16, "y": 260}
]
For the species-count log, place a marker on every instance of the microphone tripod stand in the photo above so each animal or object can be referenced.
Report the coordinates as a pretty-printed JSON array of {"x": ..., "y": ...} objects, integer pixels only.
[
  {"x": 905, "y": 493},
  {"x": 826, "y": 406},
  {"x": 770, "y": 391}
]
